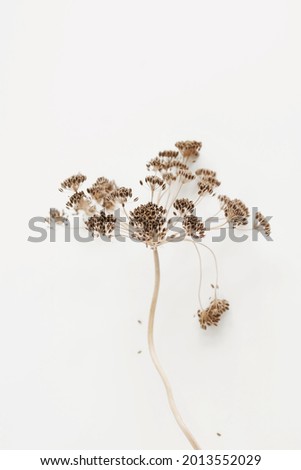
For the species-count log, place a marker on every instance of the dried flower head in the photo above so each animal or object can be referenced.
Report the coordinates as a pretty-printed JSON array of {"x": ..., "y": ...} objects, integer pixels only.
[
  {"x": 204, "y": 172},
  {"x": 212, "y": 314},
  {"x": 168, "y": 177},
  {"x": 184, "y": 206},
  {"x": 154, "y": 182},
  {"x": 207, "y": 181},
  {"x": 156, "y": 164},
  {"x": 102, "y": 191},
  {"x": 121, "y": 195},
  {"x": 147, "y": 223},
  {"x": 189, "y": 148},
  {"x": 261, "y": 223},
  {"x": 101, "y": 224},
  {"x": 185, "y": 176},
  {"x": 175, "y": 165},
  {"x": 193, "y": 226},
  {"x": 169, "y": 154},
  {"x": 235, "y": 211},
  {"x": 80, "y": 202},
  {"x": 56, "y": 217},
  {"x": 73, "y": 182}
]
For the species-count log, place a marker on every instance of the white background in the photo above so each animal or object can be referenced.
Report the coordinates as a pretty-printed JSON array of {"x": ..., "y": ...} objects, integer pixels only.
[{"x": 100, "y": 87}]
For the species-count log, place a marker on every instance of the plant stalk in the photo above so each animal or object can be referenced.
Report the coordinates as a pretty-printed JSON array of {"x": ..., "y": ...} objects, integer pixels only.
[{"x": 155, "y": 359}]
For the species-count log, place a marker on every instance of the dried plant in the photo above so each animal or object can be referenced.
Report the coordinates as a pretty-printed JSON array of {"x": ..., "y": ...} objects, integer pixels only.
[{"x": 171, "y": 174}]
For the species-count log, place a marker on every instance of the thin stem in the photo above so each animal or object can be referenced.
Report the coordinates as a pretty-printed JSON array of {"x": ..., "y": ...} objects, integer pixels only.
[
  {"x": 155, "y": 359},
  {"x": 216, "y": 267},
  {"x": 198, "y": 199},
  {"x": 162, "y": 194},
  {"x": 175, "y": 197},
  {"x": 125, "y": 212},
  {"x": 201, "y": 274}
]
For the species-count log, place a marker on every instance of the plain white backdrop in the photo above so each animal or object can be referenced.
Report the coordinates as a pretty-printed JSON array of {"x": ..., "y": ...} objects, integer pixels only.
[{"x": 100, "y": 87}]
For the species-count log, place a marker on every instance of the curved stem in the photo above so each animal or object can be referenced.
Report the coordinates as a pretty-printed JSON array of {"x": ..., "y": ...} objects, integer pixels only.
[
  {"x": 216, "y": 267},
  {"x": 201, "y": 274},
  {"x": 155, "y": 359}
]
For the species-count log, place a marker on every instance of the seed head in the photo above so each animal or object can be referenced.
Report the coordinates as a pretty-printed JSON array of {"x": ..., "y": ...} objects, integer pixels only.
[
  {"x": 147, "y": 223},
  {"x": 57, "y": 217},
  {"x": 185, "y": 176},
  {"x": 154, "y": 182},
  {"x": 189, "y": 148},
  {"x": 204, "y": 172},
  {"x": 176, "y": 165},
  {"x": 261, "y": 223},
  {"x": 80, "y": 202},
  {"x": 207, "y": 182},
  {"x": 122, "y": 195},
  {"x": 156, "y": 164},
  {"x": 193, "y": 226},
  {"x": 102, "y": 191},
  {"x": 184, "y": 206},
  {"x": 101, "y": 224},
  {"x": 73, "y": 182},
  {"x": 168, "y": 177},
  {"x": 212, "y": 314},
  {"x": 169, "y": 154},
  {"x": 235, "y": 211}
]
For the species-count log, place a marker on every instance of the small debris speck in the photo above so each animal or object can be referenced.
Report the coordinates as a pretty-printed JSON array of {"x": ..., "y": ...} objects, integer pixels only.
[
  {"x": 218, "y": 434},
  {"x": 139, "y": 352},
  {"x": 140, "y": 322}
]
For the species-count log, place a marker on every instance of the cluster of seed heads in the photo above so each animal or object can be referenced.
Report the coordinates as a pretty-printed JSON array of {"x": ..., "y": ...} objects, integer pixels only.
[
  {"x": 207, "y": 181},
  {"x": 101, "y": 224},
  {"x": 168, "y": 153},
  {"x": 193, "y": 227},
  {"x": 183, "y": 207},
  {"x": 171, "y": 173},
  {"x": 235, "y": 211},
  {"x": 155, "y": 182},
  {"x": 79, "y": 202},
  {"x": 262, "y": 223},
  {"x": 212, "y": 314},
  {"x": 185, "y": 176},
  {"x": 147, "y": 223},
  {"x": 189, "y": 148},
  {"x": 122, "y": 195},
  {"x": 56, "y": 217},
  {"x": 102, "y": 192},
  {"x": 73, "y": 182}
]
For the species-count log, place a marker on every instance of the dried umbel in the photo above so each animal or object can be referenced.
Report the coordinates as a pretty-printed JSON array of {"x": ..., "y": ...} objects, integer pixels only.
[
  {"x": 101, "y": 224},
  {"x": 184, "y": 207},
  {"x": 185, "y": 176},
  {"x": 147, "y": 223},
  {"x": 56, "y": 217},
  {"x": 79, "y": 202},
  {"x": 169, "y": 154},
  {"x": 235, "y": 211},
  {"x": 212, "y": 314},
  {"x": 189, "y": 148},
  {"x": 73, "y": 182},
  {"x": 103, "y": 192},
  {"x": 122, "y": 195},
  {"x": 205, "y": 173},
  {"x": 261, "y": 223},
  {"x": 174, "y": 188},
  {"x": 154, "y": 182},
  {"x": 193, "y": 227},
  {"x": 207, "y": 182}
]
